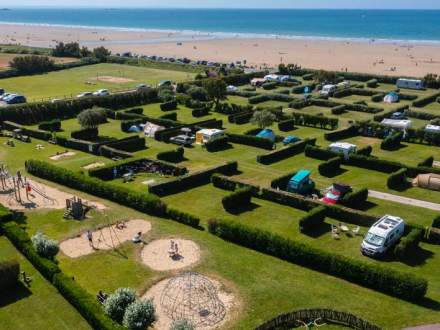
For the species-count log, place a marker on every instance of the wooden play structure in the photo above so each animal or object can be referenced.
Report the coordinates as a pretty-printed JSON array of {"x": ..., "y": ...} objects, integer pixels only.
[{"x": 76, "y": 209}]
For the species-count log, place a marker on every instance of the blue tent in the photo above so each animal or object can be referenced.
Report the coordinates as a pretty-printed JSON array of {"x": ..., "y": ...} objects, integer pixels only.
[
  {"x": 267, "y": 134},
  {"x": 134, "y": 129},
  {"x": 290, "y": 139}
]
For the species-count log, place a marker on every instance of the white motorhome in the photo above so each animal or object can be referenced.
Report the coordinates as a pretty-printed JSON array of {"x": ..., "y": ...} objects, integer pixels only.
[
  {"x": 386, "y": 232},
  {"x": 343, "y": 148},
  {"x": 397, "y": 123},
  {"x": 409, "y": 83},
  {"x": 328, "y": 90},
  {"x": 432, "y": 129}
]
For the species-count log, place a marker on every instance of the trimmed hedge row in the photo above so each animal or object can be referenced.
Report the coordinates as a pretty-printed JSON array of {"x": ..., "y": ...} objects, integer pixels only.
[
  {"x": 169, "y": 106},
  {"x": 38, "y": 134},
  {"x": 172, "y": 156},
  {"x": 9, "y": 271},
  {"x": 303, "y": 119},
  {"x": 339, "y": 109},
  {"x": 330, "y": 167},
  {"x": 129, "y": 144},
  {"x": 286, "y": 152},
  {"x": 392, "y": 282},
  {"x": 392, "y": 142},
  {"x": 217, "y": 144},
  {"x": 314, "y": 218},
  {"x": 282, "y": 181},
  {"x": 397, "y": 179},
  {"x": 250, "y": 140},
  {"x": 286, "y": 125},
  {"x": 192, "y": 180},
  {"x": 86, "y": 134},
  {"x": 355, "y": 199},
  {"x": 238, "y": 199},
  {"x": 319, "y": 153},
  {"x": 427, "y": 162},
  {"x": 342, "y": 134},
  {"x": 110, "y": 152},
  {"x": 408, "y": 243},
  {"x": 227, "y": 183},
  {"x": 365, "y": 151},
  {"x": 421, "y": 102},
  {"x": 200, "y": 112},
  {"x": 240, "y": 118},
  {"x": 51, "y": 126}
]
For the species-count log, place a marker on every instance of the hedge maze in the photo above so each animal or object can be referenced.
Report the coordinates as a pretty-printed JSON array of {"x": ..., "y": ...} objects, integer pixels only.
[{"x": 234, "y": 189}]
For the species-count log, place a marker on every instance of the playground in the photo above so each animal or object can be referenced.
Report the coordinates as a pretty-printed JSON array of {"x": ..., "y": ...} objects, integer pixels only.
[
  {"x": 170, "y": 254},
  {"x": 106, "y": 238}
]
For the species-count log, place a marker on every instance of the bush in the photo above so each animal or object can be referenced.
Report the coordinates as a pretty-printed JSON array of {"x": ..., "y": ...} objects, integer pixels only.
[
  {"x": 303, "y": 119},
  {"x": 129, "y": 144},
  {"x": 238, "y": 199},
  {"x": 198, "y": 93},
  {"x": 250, "y": 141},
  {"x": 220, "y": 181},
  {"x": 217, "y": 144},
  {"x": 372, "y": 83},
  {"x": 342, "y": 134},
  {"x": 44, "y": 246},
  {"x": 318, "y": 153},
  {"x": 168, "y": 106},
  {"x": 92, "y": 118},
  {"x": 397, "y": 179},
  {"x": 139, "y": 315},
  {"x": 9, "y": 271},
  {"x": 392, "y": 142},
  {"x": 372, "y": 163},
  {"x": 366, "y": 151},
  {"x": 260, "y": 98},
  {"x": 338, "y": 110},
  {"x": 32, "y": 64},
  {"x": 387, "y": 280},
  {"x": 182, "y": 325},
  {"x": 421, "y": 102},
  {"x": 173, "y": 156},
  {"x": 269, "y": 85},
  {"x": 377, "y": 97},
  {"x": 86, "y": 134},
  {"x": 241, "y": 118},
  {"x": 200, "y": 112},
  {"x": 313, "y": 219},
  {"x": 427, "y": 162},
  {"x": 117, "y": 302},
  {"x": 408, "y": 243},
  {"x": 51, "y": 126},
  {"x": 282, "y": 181},
  {"x": 330, "y": 167},
  {"x": 285, "y": 152},
  {"x": 436, "y": 222},
  {"x": 355, "y": 199},
  {"x": 286, "y": 125}
]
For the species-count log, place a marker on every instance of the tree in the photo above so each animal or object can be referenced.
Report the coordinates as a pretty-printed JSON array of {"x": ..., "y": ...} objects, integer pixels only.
[
  {"x": 116, "y": 304},
  {"x": 70, "y": 49},
  {"x": 216, "y": 89},
  {"x": 101, "y": 53},
  {"x": 44, "y": 246},
  {"x": 198, "y": 93},
  {"x": 290, "y": 69},
  {"x": 139, "y": 315},
  {"x": 323, "y": 76},
  {"x": 92, "y": 118},
  {"x": 32, "y": 64},
  {"x": 431, "y": 80},
  {"x": 263, "y": 118}
]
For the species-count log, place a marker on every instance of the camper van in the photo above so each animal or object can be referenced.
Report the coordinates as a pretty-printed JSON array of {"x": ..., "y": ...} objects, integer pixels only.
[
  {"x": 409, "y": 83},
  {"x": 386, "y": 232},
  {"x": 301, "y": 183},
  {"x": 343, "y": 148},
  {"x": 328, "y": 90}
]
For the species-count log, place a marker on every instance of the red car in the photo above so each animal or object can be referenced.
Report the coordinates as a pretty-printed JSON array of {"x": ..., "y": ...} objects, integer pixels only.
[{"x": 335, "y": 193}]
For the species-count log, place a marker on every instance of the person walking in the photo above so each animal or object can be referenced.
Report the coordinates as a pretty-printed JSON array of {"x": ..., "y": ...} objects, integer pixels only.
[{"x": 90, "y": 238}]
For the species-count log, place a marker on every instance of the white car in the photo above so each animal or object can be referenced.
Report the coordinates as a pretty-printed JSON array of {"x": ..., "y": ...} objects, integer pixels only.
[
  {"x": 84, "y": 94},
  {"x": 4, "y": 96},
  {"x": 101, "y": 92}
]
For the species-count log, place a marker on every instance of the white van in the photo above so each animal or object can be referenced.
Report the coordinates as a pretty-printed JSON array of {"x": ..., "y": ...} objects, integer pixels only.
[
  {"x": 386, "y": 232},
  {"x": 343, "y": 148},
  {"x": 328, "y": 90}
]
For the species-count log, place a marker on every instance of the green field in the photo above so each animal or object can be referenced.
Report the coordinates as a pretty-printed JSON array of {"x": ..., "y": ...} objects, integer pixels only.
[{"x": 68, "y": 83}]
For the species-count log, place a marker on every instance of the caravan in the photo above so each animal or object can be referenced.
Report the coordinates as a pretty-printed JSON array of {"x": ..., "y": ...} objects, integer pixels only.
[
  {"x": 409, "y": 83},
  {"x": 343, "y": 148}
]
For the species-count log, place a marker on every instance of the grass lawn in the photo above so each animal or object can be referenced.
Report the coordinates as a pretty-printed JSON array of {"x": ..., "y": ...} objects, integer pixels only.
[
  {"x": 38, "y": 307},
  {"x": 74, "y": 81}
]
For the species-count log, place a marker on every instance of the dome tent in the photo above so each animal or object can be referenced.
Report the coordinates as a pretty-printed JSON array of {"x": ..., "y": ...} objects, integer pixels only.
[
  {"x": 391, "y": 98},
  {"x": 267, "y": 134}
]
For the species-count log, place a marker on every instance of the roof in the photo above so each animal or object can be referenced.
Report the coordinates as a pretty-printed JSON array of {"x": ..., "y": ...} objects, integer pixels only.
[
  {"x": 396, "y": 122},
  {"x": 301, "y": 175},
  {"x": 413, "y": 80},
  {"x": 343, "y": 145},
  {"x": 432, "y": 128},
  {"x": 210, "y": 131},
  {"x": 386, "y": 224}
]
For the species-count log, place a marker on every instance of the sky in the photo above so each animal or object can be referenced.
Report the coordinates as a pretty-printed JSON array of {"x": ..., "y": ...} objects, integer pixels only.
[{"x": 337, "y": 4}]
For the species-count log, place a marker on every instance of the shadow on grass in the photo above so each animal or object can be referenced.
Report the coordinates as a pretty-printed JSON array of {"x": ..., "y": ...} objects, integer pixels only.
[
  {"x": 367, "y": 205},
  {"x": 14, "y": 294},
  {"x": 403, "y": 187},
  {"x": 417, "y": 257},
  {"x": 318, "y": 231},
  {"x": 224, "y": 148},
  {"x": 335, "y": 173},
  {"x": 242, "y": 209}
]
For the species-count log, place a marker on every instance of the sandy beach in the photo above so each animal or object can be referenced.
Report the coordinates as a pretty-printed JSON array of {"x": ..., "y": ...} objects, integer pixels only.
[{"x": 370, "y": 57}]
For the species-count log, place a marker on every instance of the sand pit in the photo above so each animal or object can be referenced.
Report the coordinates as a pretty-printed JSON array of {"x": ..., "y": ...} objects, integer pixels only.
[
  {"x": 102, "y": 239},
  {"x": 40, "y": 196},
  {"x": 224, "y": 310},
  {"x": 93, "y": 165},
  {"x": 62, "y": 155},
  {"x": 159, "y": 255},
  {"x": 112, "y": 79}
]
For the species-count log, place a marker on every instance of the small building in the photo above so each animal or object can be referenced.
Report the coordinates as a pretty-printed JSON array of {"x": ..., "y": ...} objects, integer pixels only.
[
  {"x": 403, "y": 124},
  {"x": 344, "y": 148},
  {"x": 432, "y": 129},
  {"x": 391, "y": 98},
  {"x": 267, "y": 134},
  {"x": 409, "y": 83},
  {"x": 208, "y": 134},
  {"x": 428, "y": 181},
  {"x": 258, "y": 82}
]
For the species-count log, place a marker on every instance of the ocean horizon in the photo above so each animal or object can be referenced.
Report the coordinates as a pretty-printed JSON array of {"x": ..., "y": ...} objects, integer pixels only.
[{"x": 413, "y": 26}]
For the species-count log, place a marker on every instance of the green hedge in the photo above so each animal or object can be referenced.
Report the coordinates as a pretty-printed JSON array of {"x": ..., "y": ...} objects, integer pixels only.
[
  {"x": 240, "y": 198},
  {"x": 200, "y": 112},
  {"x": 51, "y": 126},
  {"x": 319, "y": 153},
  {"x": 313, "y": 219},
  {"x": 250, "y": 140},
  {"x": 392, "y": 142},
  {"x": 436, "y": 222},
  {"x": 270, "y": 85},
  {"x": 365, "y": 151},
  {"x": 86, "y": 134},
  {"x": 168, "y": 106},
  {"x": 169, "y": 116},
  {"x": 140, "y": 201},
  {"x": 355, "y": 199},
  {"x": 285, "y": 152},
  {"x": 227, "y": 183},
  {"x": 129, "y": 144},
  {"x": 372, "y": 83},
  {"x": 282, "y": 181},
  {"x": 240, "y": 118},
  {"x": 372, "y": 163},
  {"x": 421, "y": 102},
  {"x": 182, "y": 217},
  {"x": 304, "y": 119},
  {"x": 286, "y": 125},
  {"x": 217, "y": 144},
  {"x": 172, "y": 156},
  {"x": 191, "y": 180},
  {"x": 427, "y": 162},
  {"x": 397, "y": 179},
  {"x": 339, "y": 109},
  {"x": 342, "y": 134},
  {"x": 408, "y": 243},
  {"x": 330, "y": 167},
  {"x": 9, "y": 271},
  {"x": 393, "y": 282}
]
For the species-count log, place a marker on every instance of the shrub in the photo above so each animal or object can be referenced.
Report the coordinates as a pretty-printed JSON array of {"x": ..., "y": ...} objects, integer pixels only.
[
  {"x": 286, "y": 125},
  {"x": 168, "y": 106},
  {"x": 250, "y": 141},
  {"x": 427, "y": 162},
  {"x": 372, "y": 83},
  {"x": 338, "y": 110},
  {"x": 220, "y": 181},
  {"x": 241, "y": 118},
  {"x": 313, "y": 219},
  {"x": 377, "y": 97},
  {"x": 366, "y": 151},
  {"x": 44, "y": 246},
  {"x": 372, "y": 163},
  {"x": 397, "y": 179},
  {"x": 182, "y": 325},
  {"x": 238, "y": 199},
  {"x": 52, "y": 126},
  {"x": 9, "y": 271},
  {"x": 173, "y": 156},
  {"x": 355, "y": 199},
  {"x": 408, "y": 243},
  {"x": 139, "y": 315},
  {"x": 436, "y": 222},
  {"x": 182, "y": 217},
  {"x": 117, "y": 302},
  {"x": 32, "y": 64},
  {"x": 392, "y": 142},
  {"x": 342, "y": 134},
  {"x": 330, "y": 167},
  {"x": 285, "y": 152},
  {"x": 260, "y": 98},
  {"x": 319, "y": 153},
  {"x": 421, "y": 102},
  {"x": 269, "y": 85},
  {"x": 303, "y": 119},
  {"x": 282, "y": 181},
  {"x": 92, "y": 118},
  {"x": 387, "y": 280},
  {"x": 198, "y": 93},
  {"x": 129, "y": 144},
  {"x": 217, "y": 144},
  {"x": 86, "y": 134}
]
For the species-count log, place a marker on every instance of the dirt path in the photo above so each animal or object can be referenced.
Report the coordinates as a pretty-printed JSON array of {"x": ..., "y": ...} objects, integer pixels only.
[
  {"x": 425, "y": 327},
  {"x": 404, "y": 200},
  {"x": 436, "y": 164}
]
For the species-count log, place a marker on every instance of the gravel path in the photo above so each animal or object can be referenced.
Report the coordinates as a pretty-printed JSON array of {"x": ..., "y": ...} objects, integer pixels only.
[{"x": 404, "y": 200}]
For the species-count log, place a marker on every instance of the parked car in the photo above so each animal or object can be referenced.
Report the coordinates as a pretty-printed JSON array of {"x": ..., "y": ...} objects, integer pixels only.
[
  {"x": 4, "y": 95},
  {"x": 328, "y": 90},
  {"x": 335, "y": 193},
  {"x": 16, "y": 99},
  {"x": 84, "y": 94},
  {"x": 398, "y": 115},
  {"x": 182, "y": 140},
  {"x": 382, "y": 236},
  {"x": 101, "y": 92},
  {"x": 6, "y": 98},
  {"x": 290, "y": 139}
]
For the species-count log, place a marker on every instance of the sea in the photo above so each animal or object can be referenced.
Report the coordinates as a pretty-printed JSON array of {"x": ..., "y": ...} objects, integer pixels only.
[{"x": 421, "y": 26}]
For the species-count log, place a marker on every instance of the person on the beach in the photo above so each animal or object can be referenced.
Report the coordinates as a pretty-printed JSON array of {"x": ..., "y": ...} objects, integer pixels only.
[{"x": 90, "y": 238}]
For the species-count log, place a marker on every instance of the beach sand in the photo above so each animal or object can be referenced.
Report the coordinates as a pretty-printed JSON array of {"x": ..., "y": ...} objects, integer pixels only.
[{"x": 408, "y": 59}]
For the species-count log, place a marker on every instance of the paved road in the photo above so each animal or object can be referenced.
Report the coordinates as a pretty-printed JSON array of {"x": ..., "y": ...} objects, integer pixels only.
[{"x": 403, "y": 200}]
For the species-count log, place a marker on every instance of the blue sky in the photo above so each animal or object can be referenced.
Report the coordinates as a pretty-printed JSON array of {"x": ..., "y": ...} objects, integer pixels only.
[{"x": 403, "y": 4}]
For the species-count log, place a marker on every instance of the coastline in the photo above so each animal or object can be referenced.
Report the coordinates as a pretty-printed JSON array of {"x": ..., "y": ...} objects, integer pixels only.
[{"x": 378, "y": 56}]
